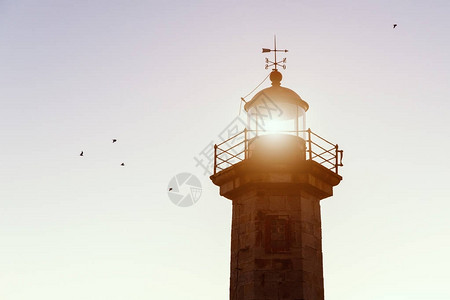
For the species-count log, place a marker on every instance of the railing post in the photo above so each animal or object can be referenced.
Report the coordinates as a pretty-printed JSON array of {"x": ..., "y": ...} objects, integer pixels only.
[
  {"x": 337, "y": 154},
  {"x": 215, "y": 158},
  {"x": 245, "y": 144},
  {"x": 309, "y": 144}
]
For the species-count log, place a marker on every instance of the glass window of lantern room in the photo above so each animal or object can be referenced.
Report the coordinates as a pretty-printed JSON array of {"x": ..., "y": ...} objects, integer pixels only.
[
  {"x": 284, "y": 117},
  {"x": 301, "y": 122},
  {"x": 252, "y": 123},
  {"x": 256, "y": 119},
  {"x": 285, "y": 120}
]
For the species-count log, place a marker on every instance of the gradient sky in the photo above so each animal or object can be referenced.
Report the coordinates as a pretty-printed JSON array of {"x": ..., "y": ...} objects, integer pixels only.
[{"x": 165, "y": 78}]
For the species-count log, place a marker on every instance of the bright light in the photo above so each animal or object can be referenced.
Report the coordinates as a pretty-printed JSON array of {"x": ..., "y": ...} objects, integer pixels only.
[
  {"x": 278, "y": 126},
  {"x": 280, "y": 118}
]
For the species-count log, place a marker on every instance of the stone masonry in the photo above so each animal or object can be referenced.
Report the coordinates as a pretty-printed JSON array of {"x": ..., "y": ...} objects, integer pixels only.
[{"x": 276, "y": 247}]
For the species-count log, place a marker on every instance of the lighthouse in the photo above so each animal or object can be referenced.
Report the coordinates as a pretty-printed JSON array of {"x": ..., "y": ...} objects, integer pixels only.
[{"x": 275, "y": 172}]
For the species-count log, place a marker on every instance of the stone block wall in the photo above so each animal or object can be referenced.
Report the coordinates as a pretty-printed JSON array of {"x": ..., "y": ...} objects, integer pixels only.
[{"x": 276, "y": 250}]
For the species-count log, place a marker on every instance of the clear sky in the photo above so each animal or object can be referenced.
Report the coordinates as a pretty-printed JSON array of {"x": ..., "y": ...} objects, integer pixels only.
[{"x": 164, "y": 79}]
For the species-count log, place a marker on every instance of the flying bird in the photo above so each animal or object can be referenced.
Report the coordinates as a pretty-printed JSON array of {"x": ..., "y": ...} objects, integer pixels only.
[
  {"x": 122, "y": 164},
  {"x": 114, "y": 140},
  {"x": 395, "y": 25},
  {"x": 170, "y": 189},
  {"x": 82, "y": 153}
]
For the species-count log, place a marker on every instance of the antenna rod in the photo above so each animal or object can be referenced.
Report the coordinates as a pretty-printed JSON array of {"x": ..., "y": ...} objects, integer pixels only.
[{"x": 275, "y": 47}]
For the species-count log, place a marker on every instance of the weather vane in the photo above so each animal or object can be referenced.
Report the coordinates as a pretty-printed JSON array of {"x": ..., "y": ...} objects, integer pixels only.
[{"x": 275, "y": 63}]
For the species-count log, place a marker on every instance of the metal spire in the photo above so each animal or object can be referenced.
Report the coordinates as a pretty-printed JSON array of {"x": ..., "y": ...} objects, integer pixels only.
[{"x": 275, "y": 63}]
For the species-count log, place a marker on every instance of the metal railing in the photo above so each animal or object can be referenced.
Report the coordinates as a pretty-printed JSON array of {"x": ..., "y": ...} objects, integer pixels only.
[{"x": 236, "y": 149}]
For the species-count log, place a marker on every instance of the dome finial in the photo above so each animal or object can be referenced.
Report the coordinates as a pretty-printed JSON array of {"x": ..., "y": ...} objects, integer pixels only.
[{"x": 276, "y": 77}]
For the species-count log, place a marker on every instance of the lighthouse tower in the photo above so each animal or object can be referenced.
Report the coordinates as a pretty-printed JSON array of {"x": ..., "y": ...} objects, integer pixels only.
[{"x": 275, "y": 173}]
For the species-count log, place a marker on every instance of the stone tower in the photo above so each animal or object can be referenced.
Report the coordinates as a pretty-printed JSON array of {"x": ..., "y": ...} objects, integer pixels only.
[{"x": 275, "y": 173}]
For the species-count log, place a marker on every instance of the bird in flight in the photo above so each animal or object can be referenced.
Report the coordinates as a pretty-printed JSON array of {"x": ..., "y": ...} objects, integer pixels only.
[
  {"x": 122, "y": 164},
  {"x": 170, "y": 189},
  {"x": 395, "y": 25},
  {"x": 114, "y": 140},
  {"x": 82, "y": 153}
]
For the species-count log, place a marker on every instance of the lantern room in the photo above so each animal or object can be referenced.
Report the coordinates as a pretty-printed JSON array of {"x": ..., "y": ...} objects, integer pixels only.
[{"x": 276, "y": 110}]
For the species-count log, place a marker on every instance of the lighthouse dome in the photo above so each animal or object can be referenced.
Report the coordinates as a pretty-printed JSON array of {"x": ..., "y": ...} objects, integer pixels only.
[{"x": 277, "y": 94}]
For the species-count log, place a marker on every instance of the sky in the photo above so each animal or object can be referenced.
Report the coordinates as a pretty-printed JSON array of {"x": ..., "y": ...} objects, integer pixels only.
[{"x": 165, "y": 79}]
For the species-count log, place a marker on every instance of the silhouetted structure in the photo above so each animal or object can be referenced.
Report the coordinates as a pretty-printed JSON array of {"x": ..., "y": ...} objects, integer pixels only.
[{"x": 276, "y": 172}]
